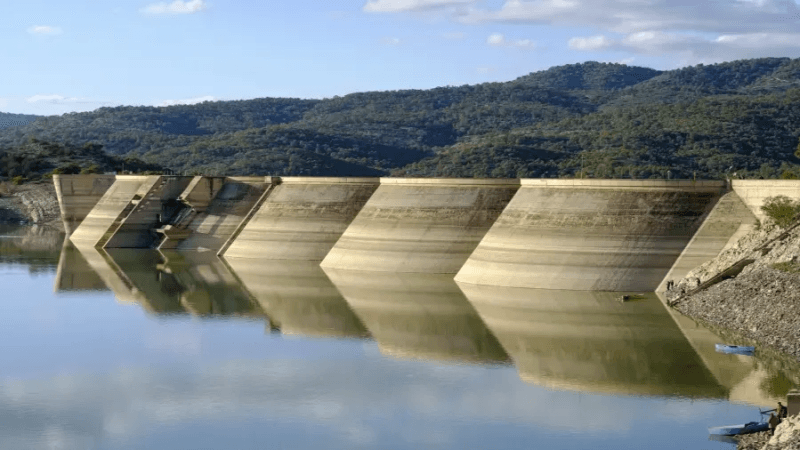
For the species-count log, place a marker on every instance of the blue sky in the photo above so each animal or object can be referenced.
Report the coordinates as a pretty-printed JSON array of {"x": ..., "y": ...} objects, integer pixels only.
[{"x": 66, "y": 56}]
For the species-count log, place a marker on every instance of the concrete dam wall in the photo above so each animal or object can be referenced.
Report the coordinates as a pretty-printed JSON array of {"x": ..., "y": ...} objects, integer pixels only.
[
  {"x": 109, "y": 211},
  {"x": 421, "y": 225},
  {"x": 77, "y": 196},
  {"x": 591, "y": 235},
  {"x": 302, "y": 218}
]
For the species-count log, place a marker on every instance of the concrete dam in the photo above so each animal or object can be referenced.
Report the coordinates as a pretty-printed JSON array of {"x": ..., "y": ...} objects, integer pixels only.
[{"x": 559, "y": 234}]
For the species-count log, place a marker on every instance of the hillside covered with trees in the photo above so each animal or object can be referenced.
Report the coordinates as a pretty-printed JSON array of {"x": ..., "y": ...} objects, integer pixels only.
[{"x": 592, "y": 119}]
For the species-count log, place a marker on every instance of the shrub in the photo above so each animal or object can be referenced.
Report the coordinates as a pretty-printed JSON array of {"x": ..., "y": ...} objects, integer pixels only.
[
  {"x": 91, "y": 169},
  {"x": 788, "y": 266},
  {"x": 17, "y": 180},
  {"x": 781, "y": 209}
]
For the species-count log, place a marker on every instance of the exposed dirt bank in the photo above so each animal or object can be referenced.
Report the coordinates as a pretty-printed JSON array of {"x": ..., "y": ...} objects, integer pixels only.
[{"x": 33, "y": 203}]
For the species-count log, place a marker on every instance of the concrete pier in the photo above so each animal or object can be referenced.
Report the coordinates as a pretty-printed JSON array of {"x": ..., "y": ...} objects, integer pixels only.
[
  {"x": 212, "y": 228},
  {"x": 112, "y": 208},
  {"x": 724, "y": 226},
  {"x": 137, "y": 229},
  {"x": 302, "y": 218},
  {"x": 421, "y": 225},
  {"x": 77, "y": 196},
  {"x": 591, "y": 235}
]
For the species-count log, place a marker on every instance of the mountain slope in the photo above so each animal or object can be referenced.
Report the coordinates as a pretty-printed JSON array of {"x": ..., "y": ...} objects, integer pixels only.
[{"x": 608, "y": 119}]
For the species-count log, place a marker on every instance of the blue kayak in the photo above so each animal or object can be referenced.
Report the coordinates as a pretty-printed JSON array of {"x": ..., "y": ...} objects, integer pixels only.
[
  {"x": 745, "y": 428},
  {"x": 737, "y": 349}
]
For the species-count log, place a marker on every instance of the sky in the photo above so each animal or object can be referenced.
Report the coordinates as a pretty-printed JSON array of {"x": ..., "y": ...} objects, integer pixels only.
[{"x": 79, "y": 55}]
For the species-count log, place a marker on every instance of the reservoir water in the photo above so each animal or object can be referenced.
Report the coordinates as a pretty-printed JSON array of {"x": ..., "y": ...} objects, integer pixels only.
[{"x": 133, "y": 349}]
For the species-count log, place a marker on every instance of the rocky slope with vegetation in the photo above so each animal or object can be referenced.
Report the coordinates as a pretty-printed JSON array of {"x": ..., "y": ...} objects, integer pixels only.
[
  {"x": 762, "y": 303},
  {"x": 591, "y": 119},
  {"x": 30, "y": 204}
]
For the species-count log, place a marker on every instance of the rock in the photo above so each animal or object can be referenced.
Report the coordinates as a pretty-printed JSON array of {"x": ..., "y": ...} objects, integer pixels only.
[
  {"x": 762, "y": 303},
  {"x": 787, "y": 435}
]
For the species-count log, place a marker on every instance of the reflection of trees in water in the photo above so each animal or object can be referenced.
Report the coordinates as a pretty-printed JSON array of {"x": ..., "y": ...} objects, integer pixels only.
[
  {"x": 33, "y": 246},
  {"x": 777, "y": 385}
]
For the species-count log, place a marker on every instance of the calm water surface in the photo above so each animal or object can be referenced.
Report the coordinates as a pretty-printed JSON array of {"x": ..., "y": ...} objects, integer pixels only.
[{"x": 139, "y": 349}]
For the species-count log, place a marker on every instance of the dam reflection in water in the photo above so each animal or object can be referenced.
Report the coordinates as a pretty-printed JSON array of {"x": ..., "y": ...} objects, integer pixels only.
[{"x": 563, "y": 340}]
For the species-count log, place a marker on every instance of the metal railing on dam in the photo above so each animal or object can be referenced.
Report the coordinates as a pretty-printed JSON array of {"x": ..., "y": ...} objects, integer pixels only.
[{"x": 574, "y": 234}]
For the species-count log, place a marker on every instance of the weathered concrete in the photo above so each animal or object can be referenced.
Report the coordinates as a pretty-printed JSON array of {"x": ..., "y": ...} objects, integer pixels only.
[
  {"x": 113, "y": 207},
  {"x": 591, "y": 235},
  {"x": 421, "y": 225},
  {"x": 137, "y": 229},
  {"x": 78, "y": 194},
  {"x": 590, "y": 341},
  {"x": 297, "y": 297},
  {"x": 725, "y": 225},
  {"x": 212, "y": 228},
  {"x": 418, "y": 316},
  {"x": 754, "y": 192},
  {"x": 201, "y": 191},
  {"x": 302, "y": 218}
]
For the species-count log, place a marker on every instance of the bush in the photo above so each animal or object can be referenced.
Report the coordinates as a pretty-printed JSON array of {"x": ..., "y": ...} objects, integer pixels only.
[
  {"x": 788, "y": 267},
  {"x": 91, "y": 169},
  {"x": 781, "y": 209},
  {"x": 17, "y": 180}
]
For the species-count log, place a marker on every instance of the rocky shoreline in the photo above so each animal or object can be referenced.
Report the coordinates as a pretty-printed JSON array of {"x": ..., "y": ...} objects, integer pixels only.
[
  {"x": 760, "y": 306},
  {"x": 762, "y": 303},
  {"x": 30, "y": 204},
  {"x": 787, "y": 437}
]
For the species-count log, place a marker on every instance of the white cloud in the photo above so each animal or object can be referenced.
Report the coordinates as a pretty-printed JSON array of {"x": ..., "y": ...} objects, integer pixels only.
[
  {"x": 719, "y": 16},
  {"x": 188, "y": 101},
  {"x": 55, "y": 98},
  {"x": 697, "y": 31},
  {"x": 410, "y": 5},
  {"x": 498, "y": 40},
  {"x": 176, "y": 7},
  {"x": 391, "y": 41},
  {"x": 44, "y": 30},
  {"x": 590, "y": 43},
  {"x": 759, "y": 40}
]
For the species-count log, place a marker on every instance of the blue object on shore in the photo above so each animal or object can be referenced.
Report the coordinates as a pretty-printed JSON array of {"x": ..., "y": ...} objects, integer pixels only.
[
  {"x": 745, "y": 428},
  {"x": 737, "y": 349}
]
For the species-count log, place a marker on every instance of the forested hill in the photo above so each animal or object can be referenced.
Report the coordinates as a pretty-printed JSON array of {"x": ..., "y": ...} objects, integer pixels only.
[
  {"x": 598, "y": 119},
  {"x": 13, "y": 120}
]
